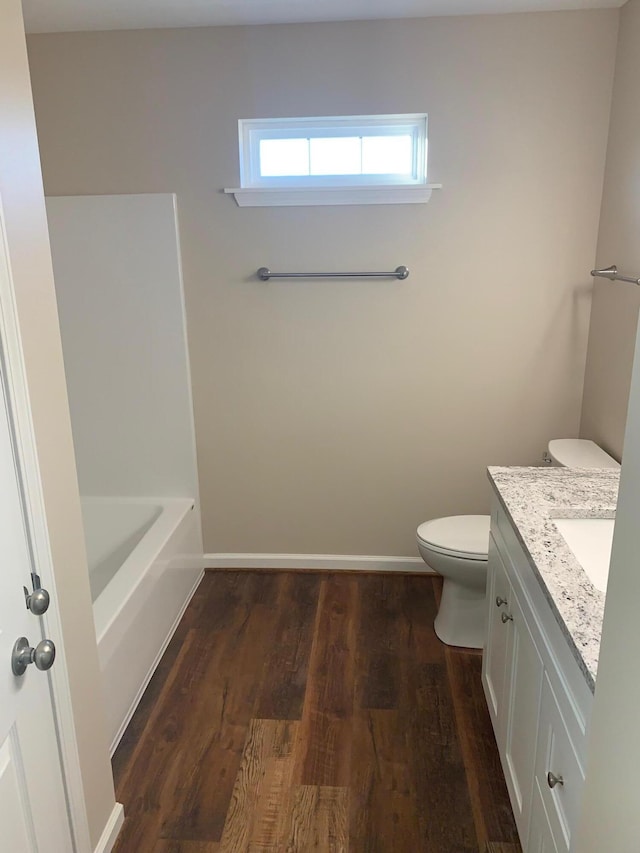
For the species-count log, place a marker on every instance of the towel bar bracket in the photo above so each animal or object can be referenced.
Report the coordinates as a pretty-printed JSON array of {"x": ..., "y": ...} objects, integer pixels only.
[{"x": 613, "y": 275}]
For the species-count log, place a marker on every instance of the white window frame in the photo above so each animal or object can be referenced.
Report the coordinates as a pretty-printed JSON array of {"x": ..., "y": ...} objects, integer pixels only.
[
  {"x": 256, "y": 190},
  {"x": 251, "y": 132}
]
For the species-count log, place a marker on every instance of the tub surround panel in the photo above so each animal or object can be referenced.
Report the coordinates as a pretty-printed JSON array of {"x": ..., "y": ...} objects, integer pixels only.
[
  {"x": 532, "y": 498},
  {"x": 116, "y": 261},
  {"x": 336, "y": 416}
]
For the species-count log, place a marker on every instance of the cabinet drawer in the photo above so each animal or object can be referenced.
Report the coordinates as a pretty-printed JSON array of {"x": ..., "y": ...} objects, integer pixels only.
[{"x": 556, "y": 755}]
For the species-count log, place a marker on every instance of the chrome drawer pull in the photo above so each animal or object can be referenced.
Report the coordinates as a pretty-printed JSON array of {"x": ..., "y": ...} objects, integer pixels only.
[
  {"x": 553, "y": 780},
  {"x": 500, "y": 601},
  {"x": 506, "y": 617}
]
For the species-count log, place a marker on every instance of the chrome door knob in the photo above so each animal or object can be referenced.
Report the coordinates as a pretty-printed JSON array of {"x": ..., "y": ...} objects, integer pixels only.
[
  {"x": 37, "y": 601},
  {"x": 506, "y": 617},
  {"x": 500, "y": 601},
  {"x": 553, "y": 780},
  {"x": 43, "y": 655}
]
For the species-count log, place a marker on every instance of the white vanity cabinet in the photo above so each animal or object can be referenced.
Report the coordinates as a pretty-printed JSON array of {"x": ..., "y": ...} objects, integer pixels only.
[
  {"x": 512, "y": 675},
  {"x": 538, "y": 698}
]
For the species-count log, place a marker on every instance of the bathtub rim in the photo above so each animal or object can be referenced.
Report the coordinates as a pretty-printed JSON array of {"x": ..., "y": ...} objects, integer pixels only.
[{"x": 132, "y": 572}]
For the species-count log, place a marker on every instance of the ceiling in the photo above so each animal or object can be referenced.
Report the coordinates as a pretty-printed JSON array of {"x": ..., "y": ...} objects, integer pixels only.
[{"x": 78, "y": 15}]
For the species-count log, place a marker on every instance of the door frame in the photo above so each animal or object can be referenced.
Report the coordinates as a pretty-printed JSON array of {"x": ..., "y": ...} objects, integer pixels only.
[
  {"x": 44, "y": 450},
  {"x": 35, "y": 517}
]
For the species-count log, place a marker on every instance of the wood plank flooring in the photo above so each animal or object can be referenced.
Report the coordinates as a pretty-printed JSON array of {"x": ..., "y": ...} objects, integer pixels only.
[{"x": 297, "y": 712}]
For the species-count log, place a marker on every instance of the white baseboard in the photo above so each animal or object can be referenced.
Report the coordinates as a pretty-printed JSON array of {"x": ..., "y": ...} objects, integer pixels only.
[
  {"x": 152, "y": 669},
  {"x": 111, "y": 830},
  {"x": 328, "y": 562}
]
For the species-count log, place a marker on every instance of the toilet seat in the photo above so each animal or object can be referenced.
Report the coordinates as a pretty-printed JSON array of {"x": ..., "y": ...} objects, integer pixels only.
[{"x": 463, "y": 536}]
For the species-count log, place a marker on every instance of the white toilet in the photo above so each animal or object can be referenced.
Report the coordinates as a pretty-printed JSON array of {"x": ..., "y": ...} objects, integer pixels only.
[{"x": 456, "y": 547}]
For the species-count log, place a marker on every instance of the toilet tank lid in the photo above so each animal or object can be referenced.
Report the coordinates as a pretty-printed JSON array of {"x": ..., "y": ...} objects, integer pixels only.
[{"x": 580, "y": 453}]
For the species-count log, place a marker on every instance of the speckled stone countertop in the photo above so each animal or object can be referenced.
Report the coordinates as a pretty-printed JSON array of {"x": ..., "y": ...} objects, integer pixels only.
[{"x": 532, "y": 498}]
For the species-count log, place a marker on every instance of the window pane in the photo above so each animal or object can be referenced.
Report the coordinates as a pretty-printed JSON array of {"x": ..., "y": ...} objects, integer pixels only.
[
  {"x": 282, "y": 157},
  {"x": 387, "y": 155},
  {"x": 338, "y": 156}
]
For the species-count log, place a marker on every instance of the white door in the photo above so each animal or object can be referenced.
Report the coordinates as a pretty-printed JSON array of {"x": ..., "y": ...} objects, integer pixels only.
[{"x": 33, "y": 809}]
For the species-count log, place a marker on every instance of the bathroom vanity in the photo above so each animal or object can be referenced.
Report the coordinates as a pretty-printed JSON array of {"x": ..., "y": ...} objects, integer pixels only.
[{"x": 544, "y": 620}]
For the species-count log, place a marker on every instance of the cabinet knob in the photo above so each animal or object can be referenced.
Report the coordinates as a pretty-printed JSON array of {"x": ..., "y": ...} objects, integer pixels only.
[
  {"x": 553, "y": 780},
  {"x": 506, "y": 617},
  {"x": 500, "y": 601}
]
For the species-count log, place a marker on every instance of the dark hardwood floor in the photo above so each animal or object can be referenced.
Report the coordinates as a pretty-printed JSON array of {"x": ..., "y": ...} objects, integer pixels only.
[{"x": 312, "y": 711}]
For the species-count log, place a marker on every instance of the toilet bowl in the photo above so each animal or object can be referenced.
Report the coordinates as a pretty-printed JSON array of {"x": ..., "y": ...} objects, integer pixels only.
[{"x": 456, "y": 547}]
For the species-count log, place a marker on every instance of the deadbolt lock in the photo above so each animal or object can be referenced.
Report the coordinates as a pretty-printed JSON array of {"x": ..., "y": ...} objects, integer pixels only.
[{"x": 37, "y": 601}]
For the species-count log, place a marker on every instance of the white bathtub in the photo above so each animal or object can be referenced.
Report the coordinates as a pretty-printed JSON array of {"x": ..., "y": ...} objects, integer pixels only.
[{"x": 145, "y": 562}]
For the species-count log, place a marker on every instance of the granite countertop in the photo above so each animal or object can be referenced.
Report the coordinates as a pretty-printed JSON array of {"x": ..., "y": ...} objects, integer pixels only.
[{"x": 532, "y": 498}]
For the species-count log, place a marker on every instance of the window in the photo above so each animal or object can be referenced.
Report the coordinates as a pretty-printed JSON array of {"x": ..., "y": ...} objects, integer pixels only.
[
  {"x": 350, "y": 151},
  {"x": 332, "y": 160}
]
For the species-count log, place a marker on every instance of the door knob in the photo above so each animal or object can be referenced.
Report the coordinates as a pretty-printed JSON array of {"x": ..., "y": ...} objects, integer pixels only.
[
  {"x": 500, "y": 601},
  {"x": 43, "y": 655},
  {"x": 37, "y": 601},
  {"x": 506, "y": 617}
]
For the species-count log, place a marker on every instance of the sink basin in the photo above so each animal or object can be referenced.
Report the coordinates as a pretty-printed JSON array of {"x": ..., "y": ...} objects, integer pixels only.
[{"x": 590, "y": 540}]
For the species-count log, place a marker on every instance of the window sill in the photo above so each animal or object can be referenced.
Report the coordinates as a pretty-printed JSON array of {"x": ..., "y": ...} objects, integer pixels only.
[{"x": 299, "y": 196}]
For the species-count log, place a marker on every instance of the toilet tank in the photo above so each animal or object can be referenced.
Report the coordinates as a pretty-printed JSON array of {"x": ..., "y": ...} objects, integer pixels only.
[{"x": 579, "y": 453}]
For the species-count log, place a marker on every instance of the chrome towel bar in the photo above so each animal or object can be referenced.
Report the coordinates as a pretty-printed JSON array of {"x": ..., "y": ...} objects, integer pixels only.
[
  {"x": 613, "y": 275},
  {"x": 264, "y": 274}
]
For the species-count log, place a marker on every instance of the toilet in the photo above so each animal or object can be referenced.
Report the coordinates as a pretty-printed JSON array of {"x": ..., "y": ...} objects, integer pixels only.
[{"x": 456, "y": 547}]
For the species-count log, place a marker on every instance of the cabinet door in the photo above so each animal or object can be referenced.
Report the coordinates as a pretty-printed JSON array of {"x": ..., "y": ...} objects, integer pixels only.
[
  {"x": 557, "y": 756},
  {"x": 523, "y": 686},
  {"x": 494, "y": 659},
  {"x": 540, "y": 836}
]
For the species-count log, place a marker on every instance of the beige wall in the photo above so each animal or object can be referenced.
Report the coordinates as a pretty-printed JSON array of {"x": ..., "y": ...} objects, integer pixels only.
[
  {"x": 25, "y": 223},
  {"x": 614, "y": 315},
  {"x": 333, "y": 417}
]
